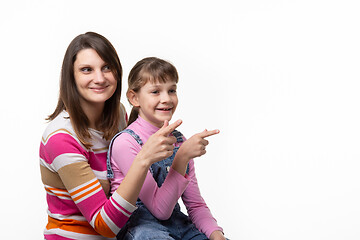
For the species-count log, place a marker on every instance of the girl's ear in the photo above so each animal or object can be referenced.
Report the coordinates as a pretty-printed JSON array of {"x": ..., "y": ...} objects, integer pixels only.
[{"x": 133, "y": 98}]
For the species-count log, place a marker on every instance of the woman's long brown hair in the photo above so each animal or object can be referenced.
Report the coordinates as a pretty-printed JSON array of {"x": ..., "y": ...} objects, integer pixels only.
[{"x": 69, "y": 97}]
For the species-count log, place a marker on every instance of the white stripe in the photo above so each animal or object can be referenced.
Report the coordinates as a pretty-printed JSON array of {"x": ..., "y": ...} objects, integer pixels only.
[
  {"x": 88, "y": 195},
  {"x": 100, "y": 174},
  {"x": 45, "y": 164},
  {"x": 57, "y": 191},
  {"x": 109, "y": 222},
  {"x": 52, "y": 134},
  {"x": 73, "y": 235},
  {"x": 122, "y": 202},
  {"x": 61, "y": 197},
  {"x": 66, "y": 159},
  {"x": 93, "y": 219},
  {"x": 82, "y": 185},
  {"x": 62, "y": 217},
  {"x": 119, "y": 209}
]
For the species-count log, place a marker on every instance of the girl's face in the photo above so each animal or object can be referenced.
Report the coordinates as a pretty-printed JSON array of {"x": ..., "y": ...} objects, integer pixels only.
[
  {"x": 93, "y": 78},
  {"x": 157, "y": 102}
]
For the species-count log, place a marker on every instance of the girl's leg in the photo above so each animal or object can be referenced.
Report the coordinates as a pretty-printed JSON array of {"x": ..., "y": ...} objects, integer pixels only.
[{"x": 147, "y": 231}]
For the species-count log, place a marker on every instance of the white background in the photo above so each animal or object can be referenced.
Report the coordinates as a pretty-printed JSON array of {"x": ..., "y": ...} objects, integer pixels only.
[{"x": 280, "y": 79}]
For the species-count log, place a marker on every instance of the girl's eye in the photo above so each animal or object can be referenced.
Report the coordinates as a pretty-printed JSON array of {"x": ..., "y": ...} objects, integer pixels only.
[
  {"x": 172, "y": 91},
  {"x": 85, "y": 69},
  {"x": 155, "y": 92}
]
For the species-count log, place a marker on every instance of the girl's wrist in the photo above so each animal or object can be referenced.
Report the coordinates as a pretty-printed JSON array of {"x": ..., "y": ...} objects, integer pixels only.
[{"x": 180, "y": 163}]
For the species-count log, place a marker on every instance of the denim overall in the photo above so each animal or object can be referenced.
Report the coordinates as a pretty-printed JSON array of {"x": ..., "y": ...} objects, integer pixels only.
[{"x": 142, "y": 224}]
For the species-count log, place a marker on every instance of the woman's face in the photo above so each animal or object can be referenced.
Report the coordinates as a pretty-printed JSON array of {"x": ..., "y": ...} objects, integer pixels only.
[{"x": 93, "y": 78}]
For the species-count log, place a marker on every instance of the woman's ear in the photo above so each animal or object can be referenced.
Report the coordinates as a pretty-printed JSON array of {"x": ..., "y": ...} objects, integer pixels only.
[{"x": 133, "y": 98}]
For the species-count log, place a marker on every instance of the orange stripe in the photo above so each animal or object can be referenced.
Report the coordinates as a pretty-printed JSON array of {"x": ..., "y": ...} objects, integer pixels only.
[
  {"x": 83, "y": 188},
  {"x": 57, "y": 189},
  {"x": 88, "y": 192},
  {"x": 57, "y": 194},
  {"x": 102, "y": 227},
  {"x": 71, "y": 226}
]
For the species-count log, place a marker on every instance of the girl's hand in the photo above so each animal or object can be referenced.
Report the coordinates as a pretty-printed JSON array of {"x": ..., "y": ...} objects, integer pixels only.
[
  {"x": 191, "y": 148},
  {"x": 160, "y": 145},
  {"x": 196, "y": 145},
  {"x": 217, "y": 235}
]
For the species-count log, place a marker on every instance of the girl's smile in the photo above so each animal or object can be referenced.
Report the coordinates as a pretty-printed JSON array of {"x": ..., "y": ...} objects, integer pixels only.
[{"x": 157, "y": 102}]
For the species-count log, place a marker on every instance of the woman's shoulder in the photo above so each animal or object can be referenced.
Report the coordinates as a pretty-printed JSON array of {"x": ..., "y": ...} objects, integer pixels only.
[{"x": 61, "y": 125}]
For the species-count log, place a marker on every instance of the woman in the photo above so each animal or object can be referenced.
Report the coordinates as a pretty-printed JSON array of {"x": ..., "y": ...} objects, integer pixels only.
[{"x": 74, "y": 145}]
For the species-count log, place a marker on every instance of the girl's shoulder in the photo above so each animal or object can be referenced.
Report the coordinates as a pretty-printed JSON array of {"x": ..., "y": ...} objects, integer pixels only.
[{"x": 127, "y": 137}]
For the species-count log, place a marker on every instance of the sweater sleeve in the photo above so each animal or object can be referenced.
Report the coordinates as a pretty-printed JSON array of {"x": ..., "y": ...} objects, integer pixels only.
[
  {"x": 160, "y": 201},
  {"x": 65, "y": 156},
  {"x": 197, "y": 209}
]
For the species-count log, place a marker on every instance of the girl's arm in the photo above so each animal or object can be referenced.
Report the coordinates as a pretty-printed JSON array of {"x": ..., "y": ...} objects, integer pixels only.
[{"x": 197, "y": 209}]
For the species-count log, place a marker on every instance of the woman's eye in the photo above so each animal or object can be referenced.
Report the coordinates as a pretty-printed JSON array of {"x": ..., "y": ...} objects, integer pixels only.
[
  {"x": 106, "y": 68},
  {"x": 85, "y": 69}
]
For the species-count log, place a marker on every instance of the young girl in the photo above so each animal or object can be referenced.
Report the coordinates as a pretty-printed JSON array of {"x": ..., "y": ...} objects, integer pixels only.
[
  {"x": 152, "y": 93},
  {"x": 74, "y": 145}
]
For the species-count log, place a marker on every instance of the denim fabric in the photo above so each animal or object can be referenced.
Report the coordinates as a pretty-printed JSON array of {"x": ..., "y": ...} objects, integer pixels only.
[
  {"x": 142, "y": 224},
  {"x": 110, "y": 173}
]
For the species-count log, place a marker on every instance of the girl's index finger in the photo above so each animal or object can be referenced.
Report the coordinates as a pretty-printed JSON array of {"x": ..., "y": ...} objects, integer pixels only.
[
  {"x": 166, "y": 130},
  {"x": 207, "y": 133}
]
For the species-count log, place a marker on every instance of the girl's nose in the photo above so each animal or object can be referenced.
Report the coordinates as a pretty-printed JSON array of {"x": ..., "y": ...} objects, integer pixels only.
[{"x": 165, "y": 97}]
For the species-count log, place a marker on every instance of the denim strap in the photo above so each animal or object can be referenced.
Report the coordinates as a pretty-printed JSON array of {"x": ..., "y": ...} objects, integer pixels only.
[{"x": 110, "y": 173}]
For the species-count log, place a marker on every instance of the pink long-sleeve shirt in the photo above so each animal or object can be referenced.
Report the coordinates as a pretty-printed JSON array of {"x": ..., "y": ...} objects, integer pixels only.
[{"x": 161, "y": 201}]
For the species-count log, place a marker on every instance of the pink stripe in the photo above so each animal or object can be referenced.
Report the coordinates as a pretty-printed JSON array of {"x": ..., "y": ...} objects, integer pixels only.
[
  {"x": 55, "y": 237},
  {"x": 62, "y": 206},
  {"x": 92, "y": 204},
  {"x": 52, "y": 149},
  {"x": 121, "y": 207},
  {"x": 97, "y": 161},
  {"x": 113, "y": 214}
]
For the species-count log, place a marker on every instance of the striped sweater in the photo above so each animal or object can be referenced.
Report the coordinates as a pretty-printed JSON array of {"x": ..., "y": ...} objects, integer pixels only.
[{"x": 77, "y": 190}]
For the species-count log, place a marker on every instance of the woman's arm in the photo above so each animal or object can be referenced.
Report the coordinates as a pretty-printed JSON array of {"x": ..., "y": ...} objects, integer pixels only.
[
  {"x": 71, "y": 186},
  {"x": 159, "y": 146},
  {"x": 159, "y": 201}
]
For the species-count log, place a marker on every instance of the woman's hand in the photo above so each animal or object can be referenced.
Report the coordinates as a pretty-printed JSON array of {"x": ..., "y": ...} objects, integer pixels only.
[
  {"x": 160, "y": 145},
  {"x": 217, "y": 235},
  {"x": 191, "y": 148}
]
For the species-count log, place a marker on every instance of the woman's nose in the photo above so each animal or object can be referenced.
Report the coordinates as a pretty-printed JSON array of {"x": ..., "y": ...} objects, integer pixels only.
[{"x": 99, "y": 77}]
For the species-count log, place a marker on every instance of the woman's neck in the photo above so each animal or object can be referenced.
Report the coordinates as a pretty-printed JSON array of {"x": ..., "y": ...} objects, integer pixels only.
[{"x": 93, "y": 112}]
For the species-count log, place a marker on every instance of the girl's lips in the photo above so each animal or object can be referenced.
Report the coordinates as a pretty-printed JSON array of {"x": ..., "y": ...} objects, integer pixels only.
[{"x": 164, "y": 109}]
